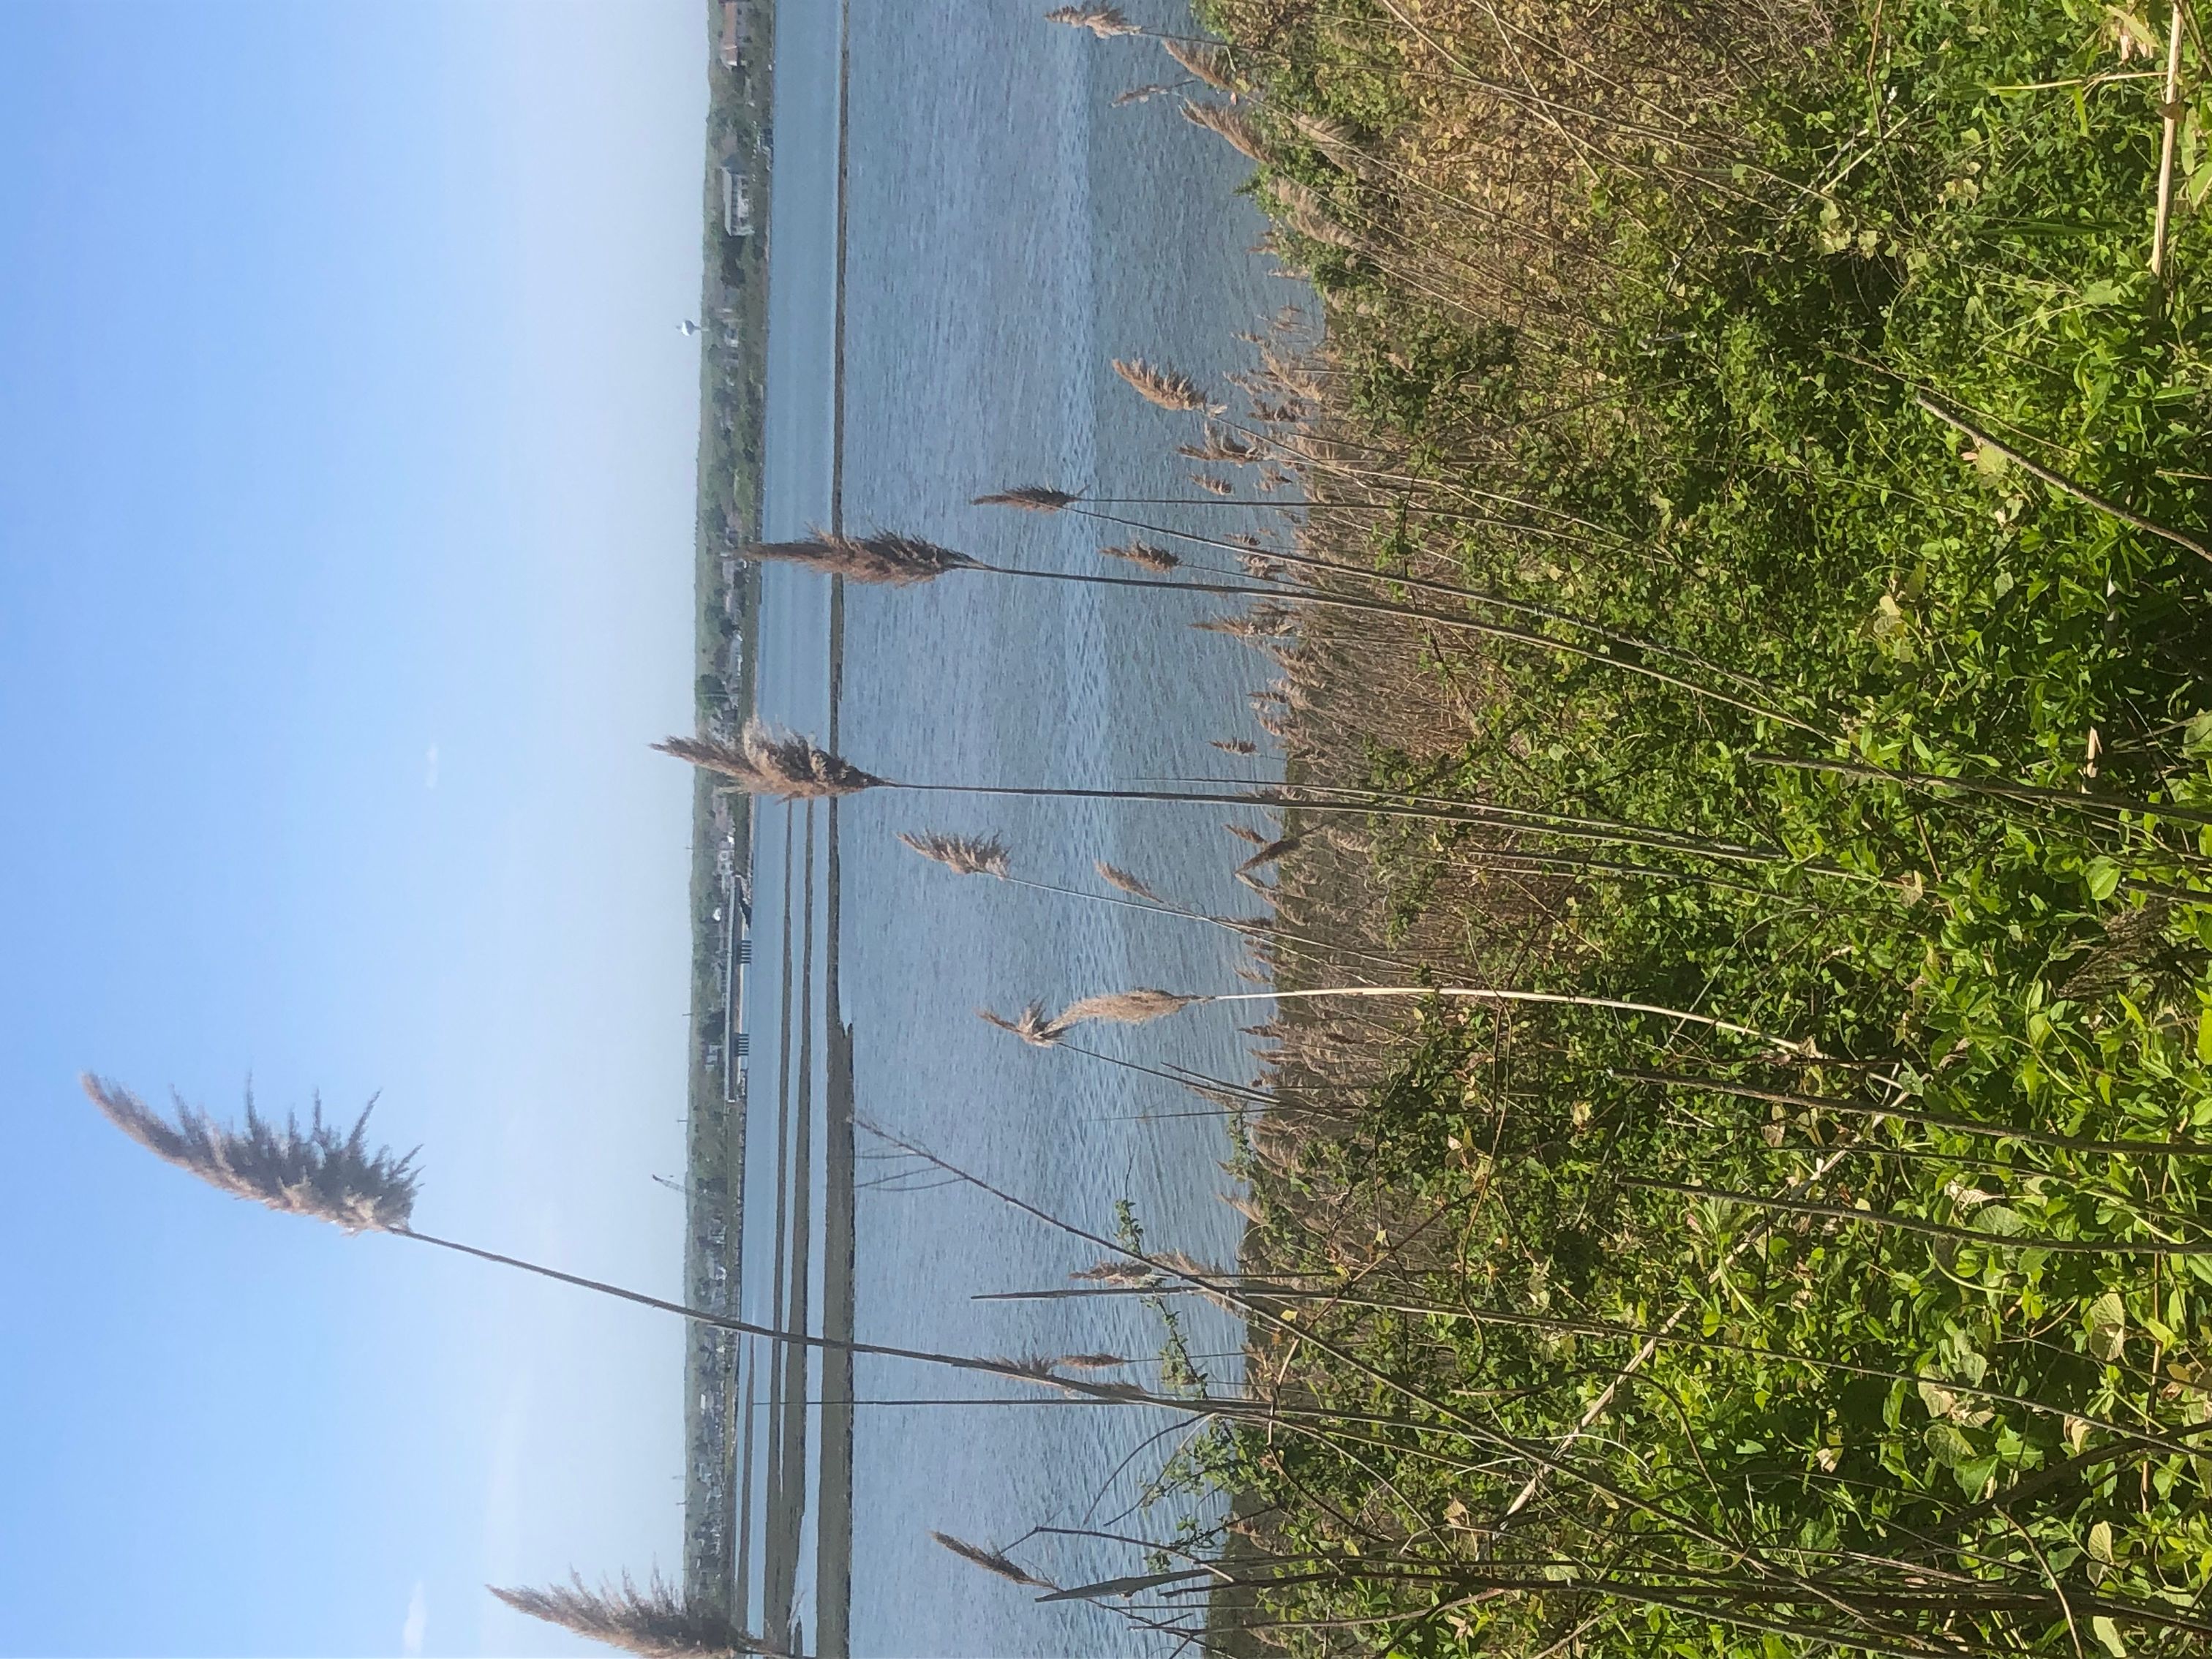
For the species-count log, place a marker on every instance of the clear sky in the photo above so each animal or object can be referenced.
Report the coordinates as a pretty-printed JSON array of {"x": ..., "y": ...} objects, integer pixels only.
[{"x": 346, "y": 447}]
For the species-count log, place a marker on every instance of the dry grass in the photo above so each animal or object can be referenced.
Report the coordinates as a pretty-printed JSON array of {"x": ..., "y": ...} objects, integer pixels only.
[
  {"x": 1205, "y": 61},
  {"x": 1164, "y": 387},
  {"x": 654, "y": 1621},
  {"x": 1030, "y": 1025},
  {"x": 314, "y": 1171},
  {"x": 763, "y": 760},
  {"x": 964, "y": 856}
]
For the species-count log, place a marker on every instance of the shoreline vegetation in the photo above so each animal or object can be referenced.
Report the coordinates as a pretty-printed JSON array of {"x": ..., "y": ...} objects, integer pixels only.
[{"x": 1848, "y": 362}]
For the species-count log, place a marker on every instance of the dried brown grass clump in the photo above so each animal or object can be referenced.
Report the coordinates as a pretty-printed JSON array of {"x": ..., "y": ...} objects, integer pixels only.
[
  {"x": 964, "y": 856},
  {"x": 885, "y": 559},
  {"x": 654, "y": 1621},
  {"x": 1134, "y": 1007},
  {"x": 314, "y": 1171},
  {"x": 1030, "y": 1025},
  {"x": 1272, "y": 851},
  {"x": 1146, "y": 556},
  {"x": 1104, "y": 21},
  {"x": 764, "y": 760},
  {"x": 1227, "y": 123},
  {"x": 1307, "y": 213},
  {"x": 1030, "y": 498},
  {"x": 1115, "y": 1271},
  {"x": 1129, "y": 883},
  {"x": 1212, "y": 485},
  {"x": 1234, "y": 745},
  {"x": 1164, "y": 387},
  {"x": 992, "y": 1562},
  {"x": 1204, "y": 60}
]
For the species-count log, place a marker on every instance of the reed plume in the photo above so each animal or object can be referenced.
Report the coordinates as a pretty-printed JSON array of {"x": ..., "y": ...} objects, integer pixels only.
[
  {"x": 1033, "y": 498},
  {"x": 1121, "y": 878},
  {"x": 655, "y": 1621},
  {"x": 992, "y": 1561},
  {"x": 964, "y": 856},
  {"x": 1307, "y": 213},
  {"x": 1104, "y": 21},
  {"x": 1204, "y": 60},
  {"x": 1030, "y": 1025},
  {"x": 314, "y": 1171},
  {"x": 1136, "y": 1007},
  {"x": 1164, "y": 387},
  {"x": 885, "y": 559},
  {"x": 1234, "y": 745},
  {"x": 1225, "y": 122},
  {"x": 764, "y": 760},
  {"x": 1145, "y": 556}
]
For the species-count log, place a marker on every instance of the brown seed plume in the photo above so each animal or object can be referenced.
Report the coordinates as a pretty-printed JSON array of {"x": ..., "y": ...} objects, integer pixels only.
[
  {"x": 1030, "y": 498},
  {"x": 1245, "y": 833},
  {"x": 1219, "y": 446},
  {"x": 314, "y": 1171},
  {"x": 1030, "y": 1025},
  {"x": 991, "y": 1561},
  {"x": 1212, "y": 485},
  {"x": 1235, "y": 746},
  {"x": 1145, "y": 556},
  {"x": 1115, "y": 1271},
  {"x": 964, "y": 856},
  {"x": 1104, "y": 21},
  {"x": 1089, "y": 1362},
  {"x": 1307, "y": 213},
  {"x": 885, "y": 559},
  {"x": 654, "y": 1621},
  {"x": 764, "y": 760},
  {"x": 1225, "y": 123},
  {"x": 1161, "y": 387},
  {"x": 1123, "y": 1007},
  {"x": 1125, "y": 882},
  {"x": 1270, "y": 853},
  {"x": 1204, "y": 60}
]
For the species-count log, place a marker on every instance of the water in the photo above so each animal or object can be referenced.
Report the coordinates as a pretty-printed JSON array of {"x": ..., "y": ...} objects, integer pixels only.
[{"x": 1009, "y": 234}]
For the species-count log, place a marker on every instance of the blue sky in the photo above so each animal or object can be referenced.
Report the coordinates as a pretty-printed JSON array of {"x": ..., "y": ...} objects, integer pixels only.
[{"x": 346, "y": 449}]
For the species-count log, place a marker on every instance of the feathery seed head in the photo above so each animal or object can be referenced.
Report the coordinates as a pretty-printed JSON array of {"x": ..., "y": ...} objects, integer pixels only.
[
  {"x": 1128, "y": 883},
  {"x": 1145, "y": 556},
  {"x": 1104, "y": 21},
  {"x": 1225, "y": 123},
  {"x": 1206, "y": 61},
  {"x": 1161, "y": 387},
  {"x": 1134, "y": 1007},
  {"x": 991, "y": 1561},
  {"x": 885, "y": 559},
  {"x": 1030, "y": 1025},
  {"x": 1030, "y": 498},
  {"x": 653, "y": 1621},
  {"x": 314, "y": 1171},
  {"x": 964, "y": 856},
  {"x": 765, "y": 761}
]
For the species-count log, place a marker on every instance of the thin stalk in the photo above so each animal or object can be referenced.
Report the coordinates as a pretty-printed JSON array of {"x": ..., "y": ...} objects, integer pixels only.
[
  {"x": 1926, "y": 1120},
  {"x": 1486, "y": 993},
  {"x": 2028, "y": 793},
  {"x": 2170, "y": 110},
  {"x": 1927, "y": 1228}
]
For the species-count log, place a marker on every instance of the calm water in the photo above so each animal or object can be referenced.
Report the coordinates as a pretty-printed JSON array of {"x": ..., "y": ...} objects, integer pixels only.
[{"x": 1009, "y": 233}]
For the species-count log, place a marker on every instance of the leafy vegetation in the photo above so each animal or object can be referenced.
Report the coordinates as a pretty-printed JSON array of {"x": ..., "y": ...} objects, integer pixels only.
[{"x": 1820, "y": 354}]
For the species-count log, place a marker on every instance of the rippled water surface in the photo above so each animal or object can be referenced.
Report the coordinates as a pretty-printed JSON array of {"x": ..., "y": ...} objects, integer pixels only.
[{"x": 1010, "y": 232}]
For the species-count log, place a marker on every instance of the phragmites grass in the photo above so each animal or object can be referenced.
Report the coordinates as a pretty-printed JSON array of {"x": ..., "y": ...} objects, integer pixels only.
[
  {"x": 1128, "y": 883},
  {"x": 314, "y": 1171},
  {"x": 1146, "y": 556},
  {"x": 654, "y": 1621},
  {"x": 1306, "y": 213},
  {"x": 1270, "y": 853},
  {"x": 1212, "y": 485},
  {"x": 1204, "y": 60},
  {"x": 764, "y": 760},
  {"x": 1234, "y": 745},
  {"x": 964, "y": 856},
  {"x": 1104, "y": 21},
  {"x": 1123, "y": 1007},
  {"x": 885, "y": 559},
  {"x": 1030, "y": 498},
  {"x": 1164, "y": 387},
  {"x": 1030, "y": 1025},
  {"x": 1227, "y": 123},
  {"x": 1115, "y": 1271},
  {"x": 992, "y": 1562},
  {"x": 1263, "y": 620}
]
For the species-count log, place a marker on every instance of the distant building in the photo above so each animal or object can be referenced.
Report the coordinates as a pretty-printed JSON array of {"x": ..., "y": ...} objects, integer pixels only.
[
  {"x": 737, "y": 206},
  {"x": 737, "y": 32}
]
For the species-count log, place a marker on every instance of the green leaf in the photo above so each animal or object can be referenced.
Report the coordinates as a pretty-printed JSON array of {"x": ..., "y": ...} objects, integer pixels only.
[
  {"x": 2102, "y": 878},
  {"x": 2109, "y": 1634},
  {"x": 1948, "y": 1446}
]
